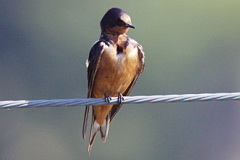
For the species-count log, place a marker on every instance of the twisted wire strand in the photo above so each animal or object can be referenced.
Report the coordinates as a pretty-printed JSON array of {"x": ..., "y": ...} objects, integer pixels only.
[{"x": 127, "y": 99}]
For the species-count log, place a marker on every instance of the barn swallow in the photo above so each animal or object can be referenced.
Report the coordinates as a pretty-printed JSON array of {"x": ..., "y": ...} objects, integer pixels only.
[{"x": 114, "y": 65}]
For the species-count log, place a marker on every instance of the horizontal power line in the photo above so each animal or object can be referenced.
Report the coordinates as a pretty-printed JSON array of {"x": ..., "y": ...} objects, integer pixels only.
[{"x": 114, "y": 100}]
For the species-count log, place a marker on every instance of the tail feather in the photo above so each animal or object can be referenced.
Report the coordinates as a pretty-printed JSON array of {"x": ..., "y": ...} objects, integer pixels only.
[
  {"x": 84, "y": 129},
  {"x": 95, "y": 127},
  {"x": 105, "y": 128}
]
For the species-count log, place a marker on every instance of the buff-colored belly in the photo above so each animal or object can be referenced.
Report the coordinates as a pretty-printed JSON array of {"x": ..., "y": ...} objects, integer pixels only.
[{"x": 114, "y": 75}]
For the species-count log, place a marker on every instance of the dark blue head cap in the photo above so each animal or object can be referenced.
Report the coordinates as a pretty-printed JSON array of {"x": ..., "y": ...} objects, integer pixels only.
[{"x": 115, "y": 17}]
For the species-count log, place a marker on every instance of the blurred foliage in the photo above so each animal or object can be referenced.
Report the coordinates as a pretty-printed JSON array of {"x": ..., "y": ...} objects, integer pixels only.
[{"x": 191, "y": 47}]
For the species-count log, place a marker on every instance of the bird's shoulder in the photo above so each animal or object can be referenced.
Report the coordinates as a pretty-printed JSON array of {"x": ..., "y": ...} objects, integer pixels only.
[
  {"x": 99, "y": 46},
  {"x": 135, "y": 44},
  {"x": 139, "y": 47},
  {"x": 97, "y": 49}
]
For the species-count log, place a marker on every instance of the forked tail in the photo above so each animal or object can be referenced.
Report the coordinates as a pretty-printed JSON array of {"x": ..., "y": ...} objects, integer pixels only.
[{"x": 95, "y": 127}]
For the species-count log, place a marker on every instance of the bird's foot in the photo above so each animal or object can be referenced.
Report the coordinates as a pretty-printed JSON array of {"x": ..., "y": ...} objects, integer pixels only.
[
  {"x": 107, "y": 98},
  {"x": 120, "y": 98}
]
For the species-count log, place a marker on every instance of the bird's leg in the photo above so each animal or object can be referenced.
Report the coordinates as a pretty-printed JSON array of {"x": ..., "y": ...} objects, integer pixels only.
[
  {"x": 107, "y": 98},
  {"x": 120, "y": 98}
]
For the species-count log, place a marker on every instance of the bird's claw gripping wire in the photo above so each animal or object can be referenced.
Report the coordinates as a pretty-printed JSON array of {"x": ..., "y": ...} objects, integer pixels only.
[
  {"x": 120, "y": 98},
  {"x": 107, "y": 98}
]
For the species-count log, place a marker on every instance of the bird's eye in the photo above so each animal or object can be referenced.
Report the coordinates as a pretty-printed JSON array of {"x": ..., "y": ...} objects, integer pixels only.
[{"x": 120, "y": 23}]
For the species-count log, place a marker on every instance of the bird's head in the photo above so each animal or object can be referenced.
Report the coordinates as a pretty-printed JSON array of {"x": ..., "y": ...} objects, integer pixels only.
[{"x": 116, "y": 21}]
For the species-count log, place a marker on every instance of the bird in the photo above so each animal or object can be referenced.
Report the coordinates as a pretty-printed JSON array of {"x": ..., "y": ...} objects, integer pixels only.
[{"x": 114, "y": 64}]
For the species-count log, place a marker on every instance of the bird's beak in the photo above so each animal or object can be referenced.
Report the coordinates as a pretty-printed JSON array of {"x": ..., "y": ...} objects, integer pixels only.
[{"x": 130, "y": 26}]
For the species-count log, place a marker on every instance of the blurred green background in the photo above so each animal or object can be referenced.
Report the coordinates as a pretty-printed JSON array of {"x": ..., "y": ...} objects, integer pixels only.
[{"x": 191, "y": 47}]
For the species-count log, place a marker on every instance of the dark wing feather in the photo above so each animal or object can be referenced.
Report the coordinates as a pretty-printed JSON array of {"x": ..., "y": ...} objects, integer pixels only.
[
  {"x": 92, "y": 66},
  {"x": 141, "y": 56},
  {"x": 93, "y": 62}
]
